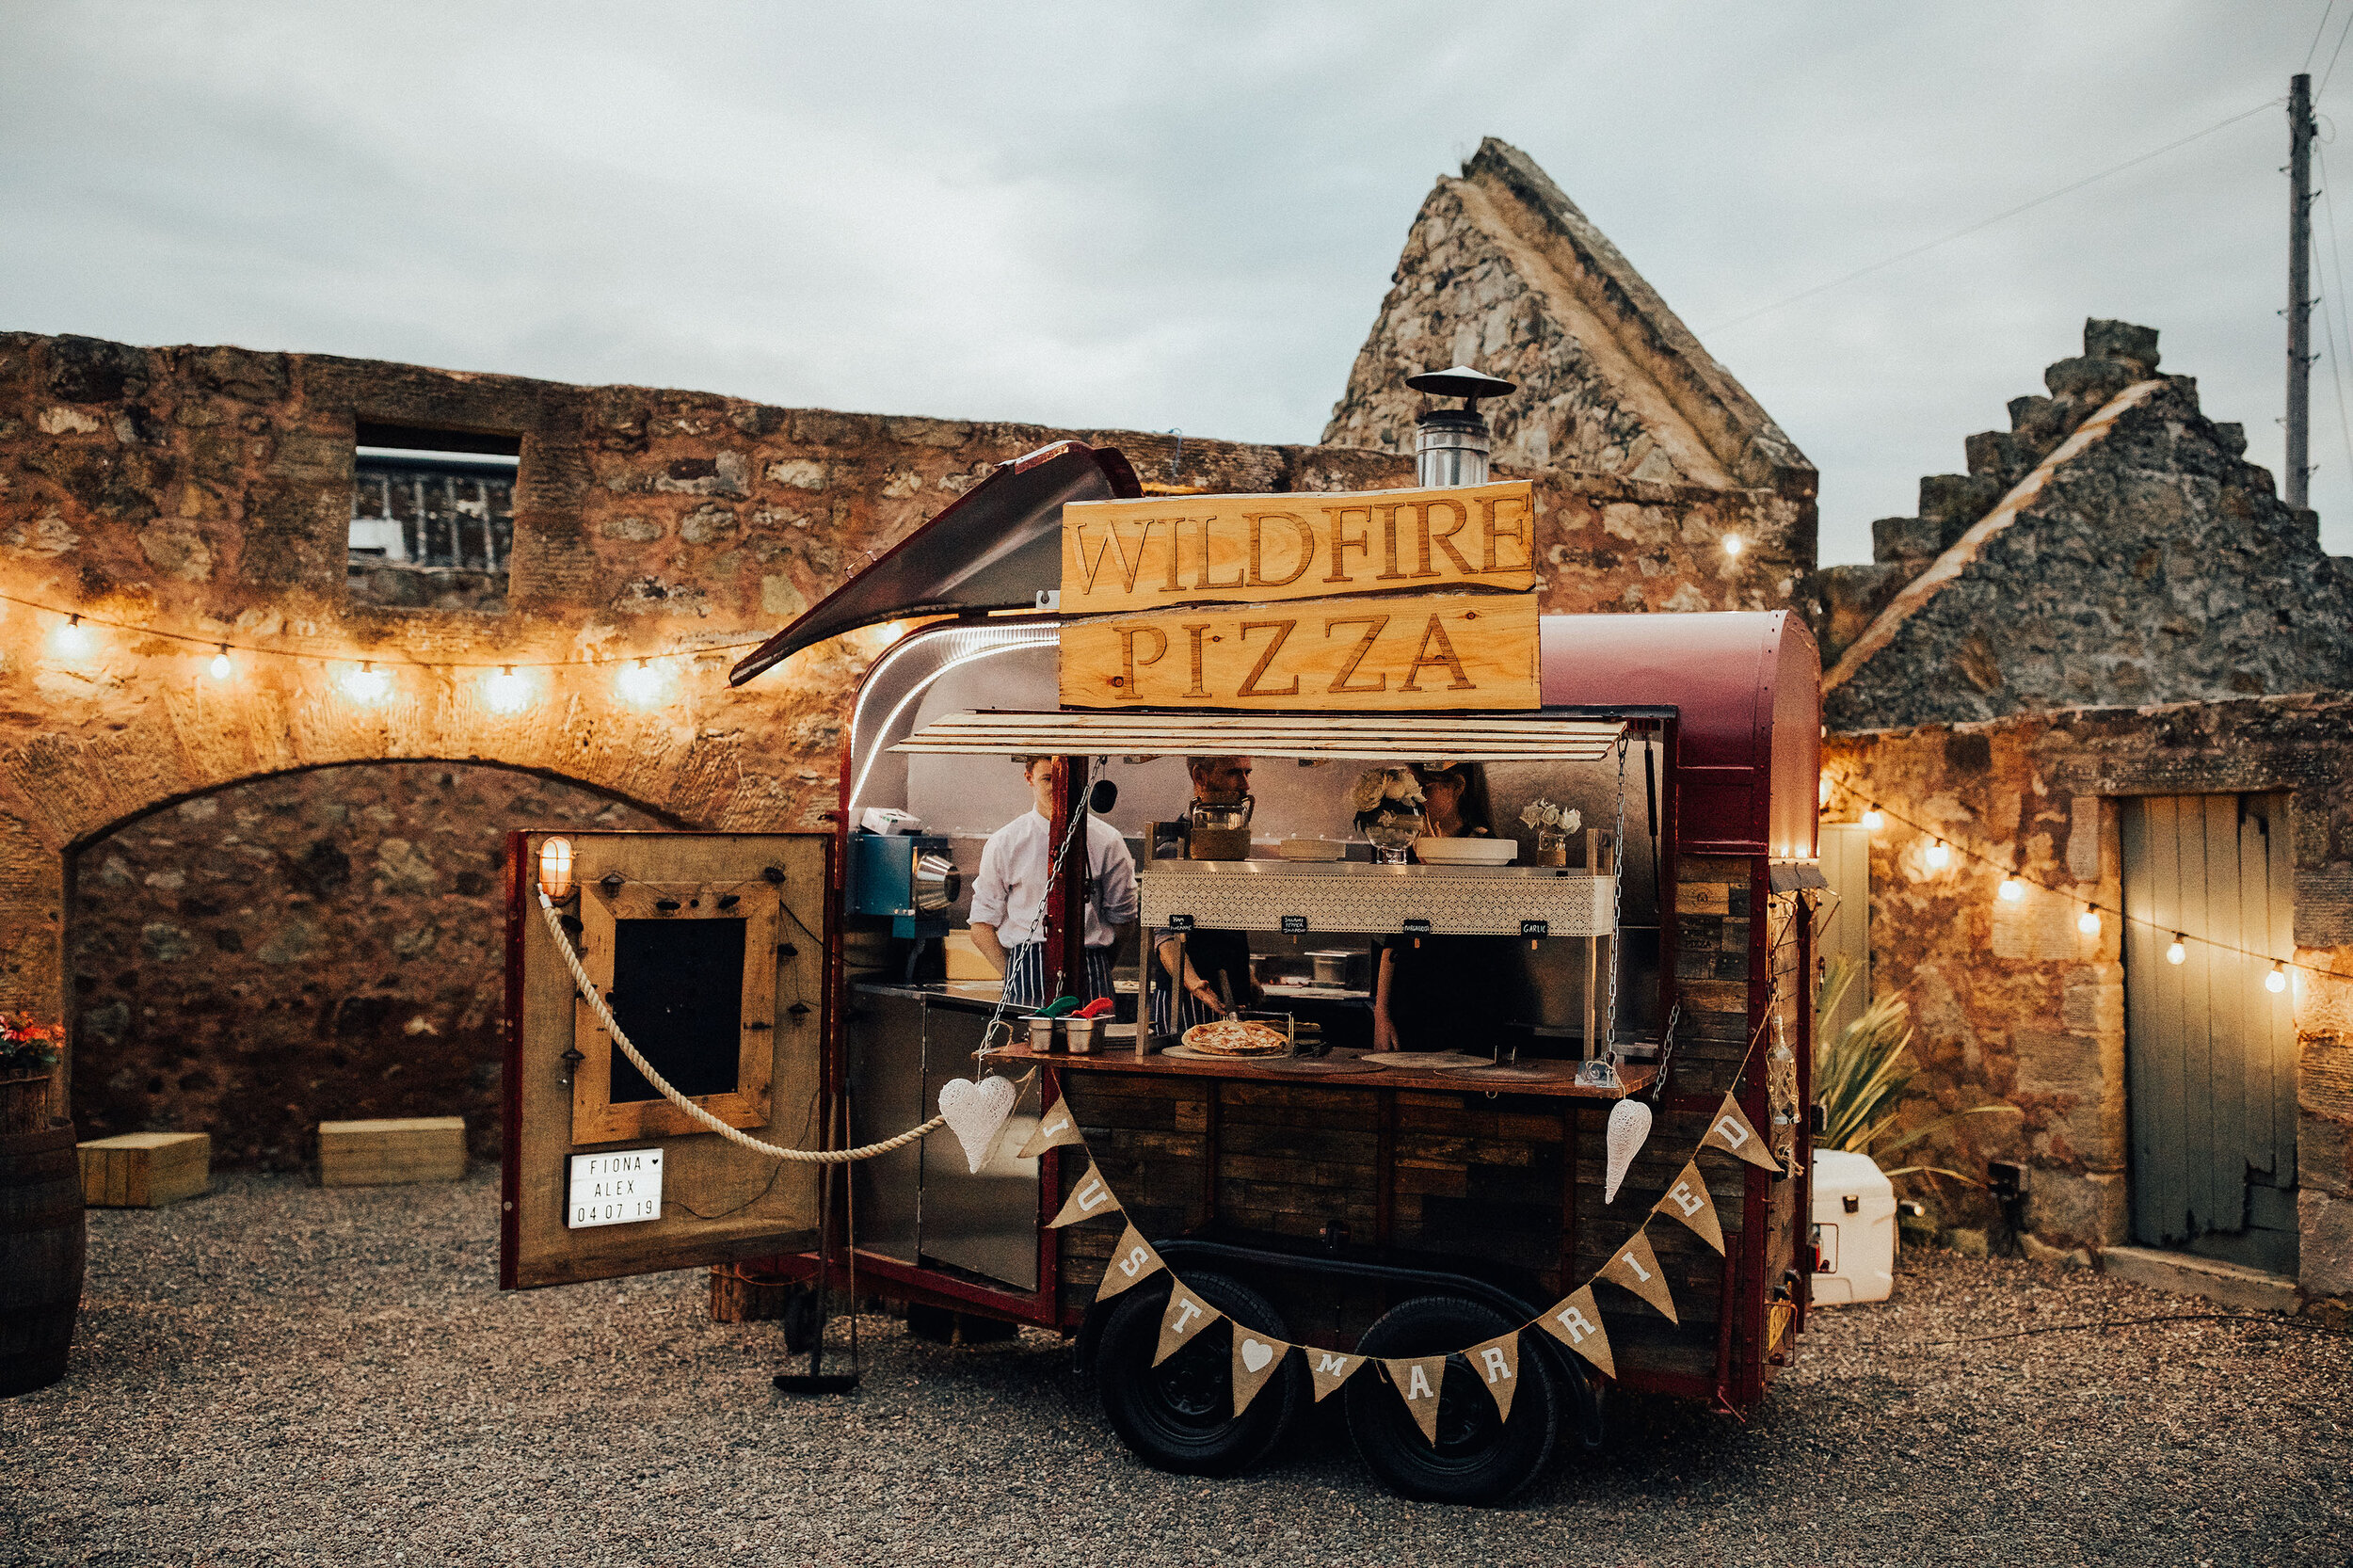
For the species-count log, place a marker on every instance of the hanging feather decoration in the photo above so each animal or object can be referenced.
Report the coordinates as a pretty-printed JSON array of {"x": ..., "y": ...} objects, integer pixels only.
[{"x": 1629, "y": 1125}]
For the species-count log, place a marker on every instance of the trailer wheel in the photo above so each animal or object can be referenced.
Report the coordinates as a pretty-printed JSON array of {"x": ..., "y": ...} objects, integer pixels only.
[
  {"x": 1178, "y": 1416},
  {"x": 1478, "y": 1458}
]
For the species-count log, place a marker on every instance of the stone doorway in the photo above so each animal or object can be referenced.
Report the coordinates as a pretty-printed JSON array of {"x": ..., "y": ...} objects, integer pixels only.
[{"x": 307, "y": 946}]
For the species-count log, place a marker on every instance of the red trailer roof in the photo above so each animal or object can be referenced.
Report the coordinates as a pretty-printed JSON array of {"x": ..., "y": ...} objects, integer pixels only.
[{"x": 1748, "y": 687}]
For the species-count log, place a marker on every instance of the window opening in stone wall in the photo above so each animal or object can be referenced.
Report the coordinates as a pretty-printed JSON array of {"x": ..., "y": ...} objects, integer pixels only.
[{"x": 432, "y": 516}]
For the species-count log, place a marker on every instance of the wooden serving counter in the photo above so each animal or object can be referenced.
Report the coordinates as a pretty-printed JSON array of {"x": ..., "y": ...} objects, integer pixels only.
[{"x": 1305, "y": 1073}]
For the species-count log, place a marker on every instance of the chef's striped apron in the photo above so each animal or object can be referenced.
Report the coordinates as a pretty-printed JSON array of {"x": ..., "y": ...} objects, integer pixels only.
[{"x": 1025, "y": 976}]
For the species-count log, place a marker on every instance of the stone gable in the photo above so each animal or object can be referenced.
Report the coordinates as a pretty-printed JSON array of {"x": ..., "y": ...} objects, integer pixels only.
[
  {"x": 1502, "y": 272},
  {"x": 2114, "y": 548}
]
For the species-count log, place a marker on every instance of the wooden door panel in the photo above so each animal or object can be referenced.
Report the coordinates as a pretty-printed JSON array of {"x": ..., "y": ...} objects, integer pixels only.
[
  {"x": 719, "y": 1201},
  {"x": 2210, "y": 1049}
]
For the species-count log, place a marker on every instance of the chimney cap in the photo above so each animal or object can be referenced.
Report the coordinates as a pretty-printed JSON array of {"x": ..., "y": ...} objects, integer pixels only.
[{"x": 1460, "y": 381}]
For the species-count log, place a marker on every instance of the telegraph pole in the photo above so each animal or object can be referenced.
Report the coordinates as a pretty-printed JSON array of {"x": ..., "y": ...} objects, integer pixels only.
[{"x": 2299, "y": 288}]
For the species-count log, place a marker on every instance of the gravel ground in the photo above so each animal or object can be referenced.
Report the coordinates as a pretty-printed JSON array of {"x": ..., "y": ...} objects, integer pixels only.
[{"x": 283, "y": 1374}]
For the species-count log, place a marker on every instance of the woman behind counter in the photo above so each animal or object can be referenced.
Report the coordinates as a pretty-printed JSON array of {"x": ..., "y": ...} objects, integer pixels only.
[{"x": 1440, "y": 993}]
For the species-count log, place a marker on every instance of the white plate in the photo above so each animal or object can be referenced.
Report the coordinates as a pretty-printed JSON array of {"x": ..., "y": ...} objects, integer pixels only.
[{"x": 1466, "y": 852}]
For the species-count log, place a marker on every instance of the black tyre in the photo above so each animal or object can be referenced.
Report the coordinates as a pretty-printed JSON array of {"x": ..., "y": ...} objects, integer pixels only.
[
  {"x": 1479, "y": 1458},
  {"x": 1178, "y": 1416}
]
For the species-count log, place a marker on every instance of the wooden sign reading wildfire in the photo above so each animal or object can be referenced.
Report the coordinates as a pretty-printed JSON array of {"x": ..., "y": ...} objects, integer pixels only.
[
  {"x": 1119, "y": 555},
  {"x": 1371, "y": 654},
  {"x": 1302, "y": 601}
]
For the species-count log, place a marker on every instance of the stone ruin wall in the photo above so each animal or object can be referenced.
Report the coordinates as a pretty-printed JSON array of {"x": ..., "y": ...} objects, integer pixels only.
[
  {"x": 331, "y": 938},
  {"x": 2156, "y": 566},
  {"x": 2011, "y": 1004},
  {"x": 207, "y": 491},
  {"x": 1502, "y": 272}
]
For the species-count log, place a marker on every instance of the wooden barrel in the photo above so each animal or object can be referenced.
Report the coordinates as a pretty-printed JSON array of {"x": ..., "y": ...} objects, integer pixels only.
[{"x": 42, "y": 1251}]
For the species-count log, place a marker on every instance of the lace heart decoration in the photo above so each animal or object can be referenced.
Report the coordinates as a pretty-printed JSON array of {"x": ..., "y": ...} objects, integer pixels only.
[
  {"x": 976, "y": 1113},
  {"x": 1629, "y": 1125}
]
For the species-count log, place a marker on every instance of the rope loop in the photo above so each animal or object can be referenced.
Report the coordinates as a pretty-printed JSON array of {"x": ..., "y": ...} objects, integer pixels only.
[{"x": 587, "y": 990}]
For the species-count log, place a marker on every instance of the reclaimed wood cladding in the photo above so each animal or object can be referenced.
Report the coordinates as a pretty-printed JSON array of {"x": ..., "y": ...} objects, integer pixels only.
[{"x": 1474, "y": 1175}]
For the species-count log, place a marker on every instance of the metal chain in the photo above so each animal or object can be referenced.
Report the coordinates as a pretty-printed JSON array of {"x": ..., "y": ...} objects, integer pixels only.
[
  {"x": 1617, "y": 905},
  {"x": 1037, "y": 927}
]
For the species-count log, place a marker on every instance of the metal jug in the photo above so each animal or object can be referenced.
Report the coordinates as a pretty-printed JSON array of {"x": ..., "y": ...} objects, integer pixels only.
[{"x": 1219, "y": 827}]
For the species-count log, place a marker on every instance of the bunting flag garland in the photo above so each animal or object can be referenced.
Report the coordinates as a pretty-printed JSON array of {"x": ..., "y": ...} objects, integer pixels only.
[
  {"x": 1498, "y": 1363},
  {"x": 1256, "y": 1358},
  {"x": 1733, "y": 1134},
  {"x": 1187, "y": 1316},
  {"x": 1330, "y": 1369},
  {"x": 1055, "y": 1127},
  {"x": 1688, "y": 1200},
  {"x": 1091, "y": 1199},
  {"x": 1575, "y": 1320},
  {"x": 1417, "y": 1380},
  {"x": 1134, "y": 1260},
  {"x": 1635, "y": 1267}
]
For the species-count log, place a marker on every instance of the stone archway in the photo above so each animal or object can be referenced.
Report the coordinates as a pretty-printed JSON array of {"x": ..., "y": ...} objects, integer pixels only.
[
  {"x": 323, "y": 944},
  {"x": 146, "y": 745}
]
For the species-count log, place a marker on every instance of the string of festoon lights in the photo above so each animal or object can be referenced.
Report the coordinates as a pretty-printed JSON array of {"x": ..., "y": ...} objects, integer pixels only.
[
  {"x": 641, "y": 681},
  {"x": 1943, "y": 847}
]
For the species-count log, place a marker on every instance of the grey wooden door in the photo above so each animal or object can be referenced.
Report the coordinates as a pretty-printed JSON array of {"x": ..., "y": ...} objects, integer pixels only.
[{"x": 2210, "y": 1049}]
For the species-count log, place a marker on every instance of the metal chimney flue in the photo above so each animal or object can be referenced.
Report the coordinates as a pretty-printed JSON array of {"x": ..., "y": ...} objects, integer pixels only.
[{"x": 1451, "y": 444}]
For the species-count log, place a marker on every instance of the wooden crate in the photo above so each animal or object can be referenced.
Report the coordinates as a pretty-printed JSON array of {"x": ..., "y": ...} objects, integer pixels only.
[
  {"x": 400, "y": 1149},
  {"x": 145, "y": 1170}
]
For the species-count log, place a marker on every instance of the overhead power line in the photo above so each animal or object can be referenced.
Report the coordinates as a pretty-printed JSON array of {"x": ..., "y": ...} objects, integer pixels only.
[{"x": 1998, "y": 217}]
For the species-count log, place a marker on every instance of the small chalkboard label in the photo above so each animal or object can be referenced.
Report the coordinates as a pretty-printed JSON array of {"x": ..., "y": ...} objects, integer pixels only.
[
  {"x": 1294, "y": 923},
  {"x": 1535, "y": 928},
  {"x": 1180, "y": 922},
  {"x": 1417, "y": 928}
]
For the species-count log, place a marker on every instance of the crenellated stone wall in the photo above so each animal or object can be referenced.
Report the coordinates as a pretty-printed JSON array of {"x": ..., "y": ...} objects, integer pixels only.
[{"x": 2113, "y": 548}]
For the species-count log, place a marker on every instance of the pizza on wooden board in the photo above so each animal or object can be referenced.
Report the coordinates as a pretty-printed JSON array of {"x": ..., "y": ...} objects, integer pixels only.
[{"x": 1237, "y": 1037}]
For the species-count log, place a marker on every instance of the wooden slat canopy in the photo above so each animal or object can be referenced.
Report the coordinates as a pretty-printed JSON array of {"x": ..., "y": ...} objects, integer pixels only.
[{"x": 1382, "y": 737}]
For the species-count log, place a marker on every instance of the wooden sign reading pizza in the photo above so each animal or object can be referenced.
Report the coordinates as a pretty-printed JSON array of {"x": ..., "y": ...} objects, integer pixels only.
[
  {"x": 1366, "y": 654},
  {"x": 1119, "y": 555}
]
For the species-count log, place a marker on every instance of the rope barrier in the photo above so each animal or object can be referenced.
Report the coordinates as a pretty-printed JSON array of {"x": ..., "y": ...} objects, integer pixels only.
[{"x": 587, "y": 990}]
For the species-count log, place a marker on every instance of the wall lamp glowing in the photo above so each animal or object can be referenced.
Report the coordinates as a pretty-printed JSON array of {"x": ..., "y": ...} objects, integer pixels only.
[{"x": 555, "y": 868}]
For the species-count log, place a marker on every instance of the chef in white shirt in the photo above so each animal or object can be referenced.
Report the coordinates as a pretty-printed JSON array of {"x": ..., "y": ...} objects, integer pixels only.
[{"x": 1009, "y": 897}]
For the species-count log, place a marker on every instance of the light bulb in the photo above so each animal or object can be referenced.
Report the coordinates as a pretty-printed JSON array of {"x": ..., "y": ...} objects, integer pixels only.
[
  {"x": 555, "y": 868},
  {"x": 2176, "y": 953},
  {"x": 2089, "y": 922},
  {"x": 1872, "y": 821},
  {"x": 505, "y": 692},
  {"x": 221, "y": 666},
  {"x": 2276, "y": 980},
  {"x": 640, "y": 685},
  {"x": 2012, "y": 889},
  {"x": 1939, "y": 856},
  {"x": 73, "y": 640},
  {"x": 367, "y": 684},
  {"x": 1734, "y": 545}
]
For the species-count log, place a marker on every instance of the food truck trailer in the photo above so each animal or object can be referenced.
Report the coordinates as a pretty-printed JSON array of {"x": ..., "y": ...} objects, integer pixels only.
[{"x": 1647, "y": 911}]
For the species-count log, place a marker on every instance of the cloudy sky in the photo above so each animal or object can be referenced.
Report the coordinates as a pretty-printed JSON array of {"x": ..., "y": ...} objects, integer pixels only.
[{"x": 1175, "y": 215}]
